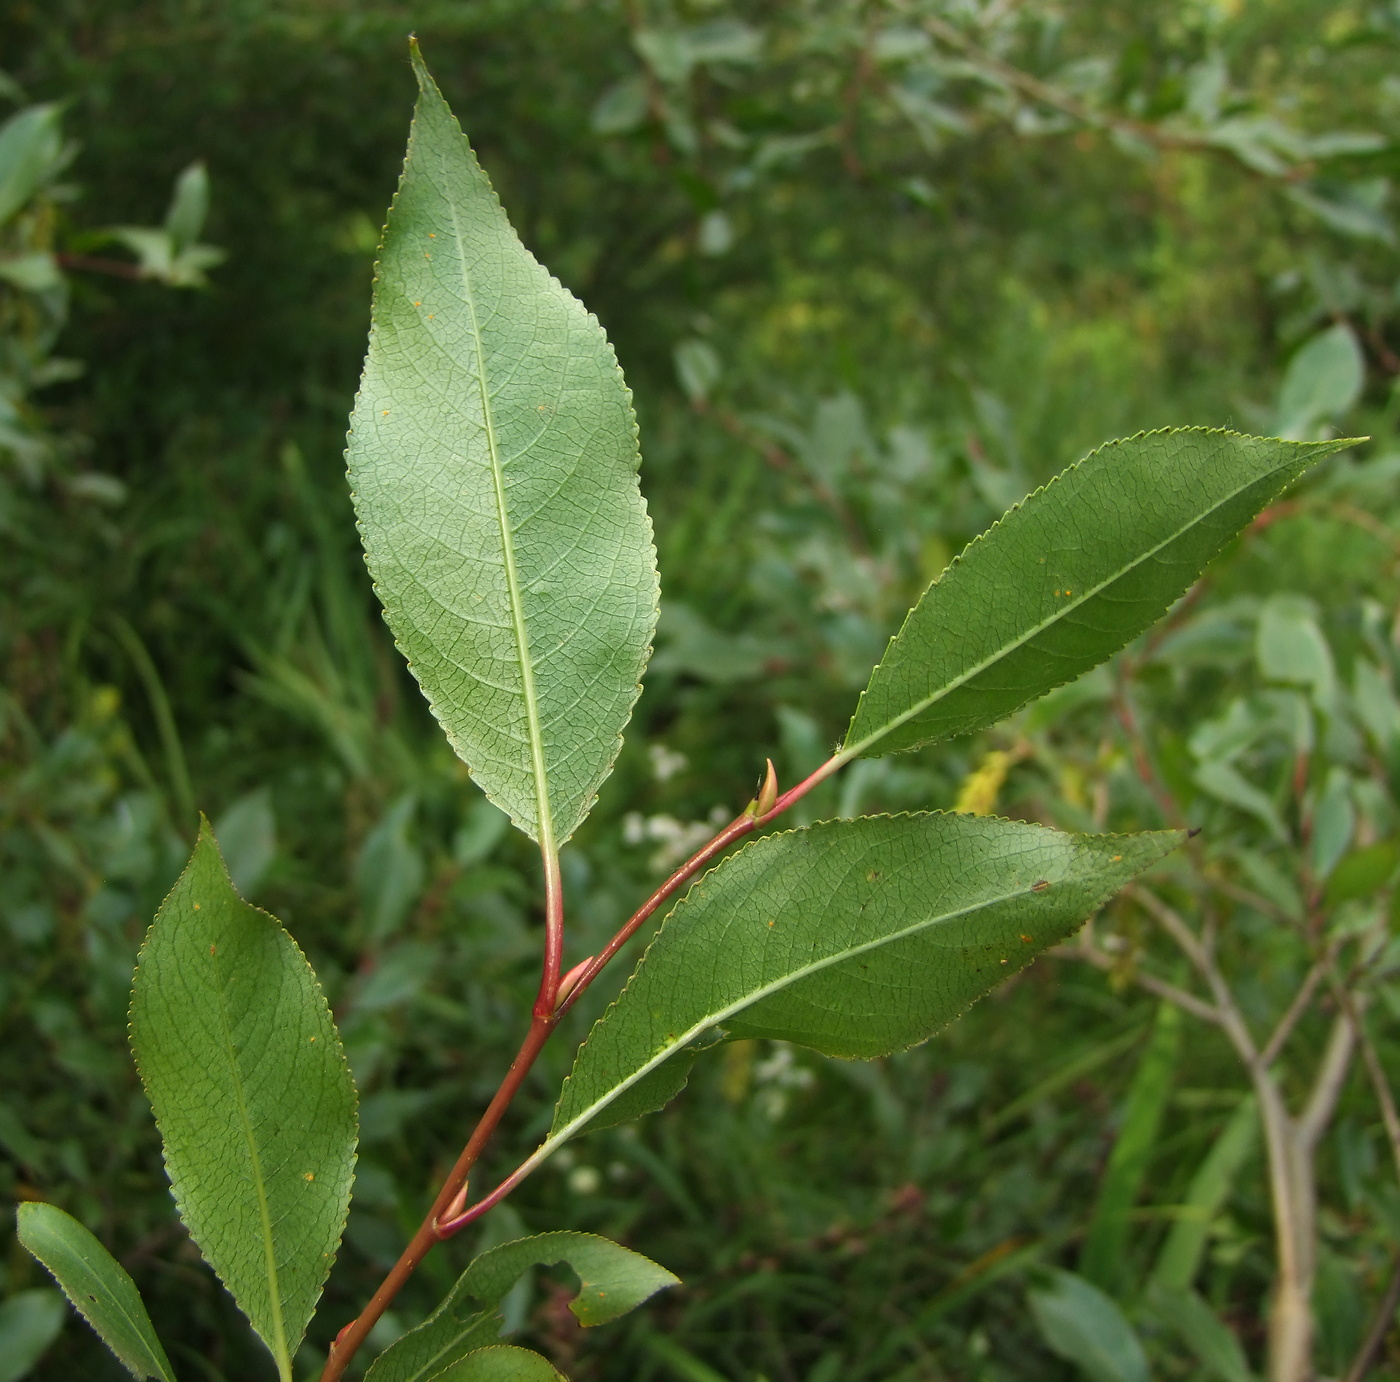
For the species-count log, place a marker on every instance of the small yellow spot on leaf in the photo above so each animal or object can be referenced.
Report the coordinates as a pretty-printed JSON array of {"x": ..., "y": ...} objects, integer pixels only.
[
  {"x": 1117, "y": 858},
  {"x": 1024, "y": 937},
  {"x": 311, "y": 1175}
]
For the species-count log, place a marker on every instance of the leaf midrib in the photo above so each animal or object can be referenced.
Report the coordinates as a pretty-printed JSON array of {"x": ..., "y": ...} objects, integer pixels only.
[
  {"x": 279, "y": 1341},
  {"x": 556, "y": 1139},
  {"x": 114, "y": 1300},
  {"x": 517, "y": 609},
  {"x": 1006, "y": 649}
]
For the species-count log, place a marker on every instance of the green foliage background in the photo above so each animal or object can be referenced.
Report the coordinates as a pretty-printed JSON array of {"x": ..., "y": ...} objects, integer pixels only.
[{"x": 862, "y": 311}]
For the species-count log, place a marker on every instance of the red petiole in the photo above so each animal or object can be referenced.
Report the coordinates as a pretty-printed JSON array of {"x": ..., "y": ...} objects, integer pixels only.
[{"x": 449, "y": 1213}]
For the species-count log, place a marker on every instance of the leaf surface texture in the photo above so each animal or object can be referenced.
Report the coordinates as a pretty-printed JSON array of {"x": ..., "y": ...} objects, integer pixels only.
[
  {"x": 252, "y": 1095},
  {"x": 493, "y": 456},
  {"x": 856, "y": 938},
  {"x": 1067, "y": 577},
  {"x": 98, "y": 1286}
]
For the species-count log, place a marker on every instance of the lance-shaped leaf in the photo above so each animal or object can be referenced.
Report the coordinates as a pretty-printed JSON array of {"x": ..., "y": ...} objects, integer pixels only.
[
  {"x": 493, "y": 455},
  {"x": 612, "y": 1281},
  {"x": 252, "y": 1095},
  {"x": 857, "y": 938},
  {"x": 1067, "y": 577},
  {"x": 98, "y": 1286}
]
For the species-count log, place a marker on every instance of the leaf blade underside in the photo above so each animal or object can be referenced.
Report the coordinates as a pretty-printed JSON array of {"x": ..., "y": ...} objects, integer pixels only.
[
  {"x": 856, "y": 938},
  {"x": 1066, "y": 578},
  {"x": 252, "y": 1095},
  {"x": 493, "y": 458},
  {"x": 97, "y": 1285}
]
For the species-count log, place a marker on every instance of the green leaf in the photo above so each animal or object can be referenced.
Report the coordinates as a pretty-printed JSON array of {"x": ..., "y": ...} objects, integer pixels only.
[
  {"x": 455, "y": 1329},
  {"x": 1067, "y": 578},
  {"x": 502, "y": 1363},
  {"x": 252, "y": 1095},
  {"x": 29, "y": 1322},
  {"x": 1363, "y": 872},
  {"x": 856, "y": 937},
  {"x": 493, "y": 455},
  {"x": 1323, "y": 380},
  {"x": 612, "y": 1279},
  {"x": 1102, "y": 1258},
  {"x": 1201, "y": 1330},
  {"x": 1085, "y": 1327},
  {"x": 1180, "y": 1257},
  {"x": 31, "y": 152},
  {"x": 189, "y": 205},
  {"x": 96, "y": 1283}
]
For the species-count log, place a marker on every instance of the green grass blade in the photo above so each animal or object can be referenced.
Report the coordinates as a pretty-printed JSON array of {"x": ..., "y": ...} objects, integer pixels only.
[
  {"x": 857, "y": 938},
  {"x": 1201, "y": 1330},
  {"x": 1180, "y": 1257},
  {"x": 98, "y": 1286},
  {"x": 1067, "y": 577},
  {"x": 252, "y": 1095},
  {"x": 493, "y": 455},
  {"x": 1101, "y": 1260}
]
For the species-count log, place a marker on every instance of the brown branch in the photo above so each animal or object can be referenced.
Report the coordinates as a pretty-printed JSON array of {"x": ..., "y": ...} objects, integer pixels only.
[{"x": 118, "y": 268}]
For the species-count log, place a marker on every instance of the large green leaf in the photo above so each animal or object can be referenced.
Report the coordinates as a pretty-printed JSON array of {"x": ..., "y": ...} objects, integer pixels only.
[
  {"x": 493, "y": 454},
  {"x": 252, "y": 1095},
  {"x": 1068, "y": 577},
  {"x": 854, "y": 937},
  {"x": 612, "y": 1281},
  {"x": 1086, "y": 1327},
  {"x": 98, "y": 1286},
  {"x": 502, "y": 1363}
]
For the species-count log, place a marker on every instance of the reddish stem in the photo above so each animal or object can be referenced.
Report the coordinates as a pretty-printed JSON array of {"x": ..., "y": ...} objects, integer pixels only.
[
  {"x": 742, "y": 824},
  {"x": 553, "y": 937},
  {"x": 349, "y": 1339},
  {"x": 449, "y": 1214}
]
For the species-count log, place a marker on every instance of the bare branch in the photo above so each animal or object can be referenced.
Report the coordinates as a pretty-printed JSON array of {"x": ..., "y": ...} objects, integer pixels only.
[
  {"x": 1089, "y": 953},
  {"x": 1327, "y": 1085},
  {"x": 1175, "y": 926},
  {"x": 1380, "y": 1327},
  {"x": 1374, "y": 1069},
  {"x": 1296, "y": 1009}
]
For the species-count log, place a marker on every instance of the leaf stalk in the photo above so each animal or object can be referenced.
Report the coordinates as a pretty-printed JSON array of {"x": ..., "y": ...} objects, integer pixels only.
[{"x": 449, "y": 1214}]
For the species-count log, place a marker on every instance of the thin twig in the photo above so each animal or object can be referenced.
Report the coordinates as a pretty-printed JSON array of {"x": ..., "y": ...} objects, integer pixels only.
[
  {"x": 1380, "y": 1327},
  {"x": 449, "y": 1213},
  {"x": 1380, "y": 1085},
  {"x": 1100, "y": 959},
  {"x": 1296, "y": 1009},
  {"x": 1175, "y": 926},
  {"x": 1327, "y": 1086}
]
